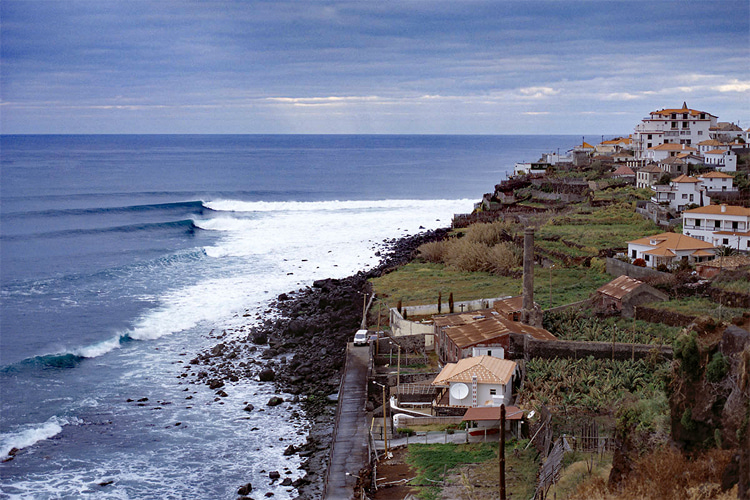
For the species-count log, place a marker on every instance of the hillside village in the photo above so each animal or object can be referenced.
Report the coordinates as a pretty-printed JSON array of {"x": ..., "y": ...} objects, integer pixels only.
[{"x": 600, "y": 298}]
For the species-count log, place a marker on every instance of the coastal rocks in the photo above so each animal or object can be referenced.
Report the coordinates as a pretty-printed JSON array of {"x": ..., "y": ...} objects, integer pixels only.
[
  {"x": 249, "y": 408},
  {"x": 275, "y": 401},
  {"x": 290, "y": 450},
  {"x": 245, "y": 489},
  {"x": 267, "y": 375}
]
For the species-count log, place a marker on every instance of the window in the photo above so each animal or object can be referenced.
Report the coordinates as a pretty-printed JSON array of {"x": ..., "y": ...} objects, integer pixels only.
[
  {"x": 646, "y": 257},
  {"x": 684, "y": 116},
  {"x": 717, "y": 224},
  {"x": 649, "y": 137},
  {"x": 648, "y": 145},
  {"x": 633, "y": 254},
  {"x": 691, "y": 197},
  {"x": 684, "y": 196},
  {"x": 700, "y": 132},
  {"x": 489, "y": 353},
  {"x": 493, "y": 392},
  {"x": 703, "y": 116},
  {"x": 697, "y": 223},
  {"x": 734, "y": 225},
  {"x": 685, "y": 125},
  {"x": 725, "y": 241}
]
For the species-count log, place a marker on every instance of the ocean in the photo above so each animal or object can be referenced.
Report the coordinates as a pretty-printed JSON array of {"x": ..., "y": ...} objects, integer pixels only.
[{"x": 122, "y": 257}]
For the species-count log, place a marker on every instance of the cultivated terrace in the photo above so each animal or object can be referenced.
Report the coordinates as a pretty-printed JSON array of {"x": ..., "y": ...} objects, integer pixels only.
[{"x": 675, "y": 426}]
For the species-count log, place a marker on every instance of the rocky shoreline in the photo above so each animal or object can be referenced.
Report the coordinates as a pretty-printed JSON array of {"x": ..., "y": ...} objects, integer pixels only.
[{"x": 299, "y": 344}]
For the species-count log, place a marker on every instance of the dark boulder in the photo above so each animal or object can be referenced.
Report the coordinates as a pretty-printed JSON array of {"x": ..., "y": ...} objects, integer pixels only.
[
  {"x": 275, "y": 401},
  {"x": 245, "y": 489},
  {"x": 267, "y": 375}
]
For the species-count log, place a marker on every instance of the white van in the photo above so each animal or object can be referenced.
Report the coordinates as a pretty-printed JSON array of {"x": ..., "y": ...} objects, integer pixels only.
[{"x": 360, "y": 338}]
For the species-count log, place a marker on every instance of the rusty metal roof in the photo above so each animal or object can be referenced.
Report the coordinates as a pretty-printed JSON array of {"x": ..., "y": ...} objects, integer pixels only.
[
  {"x": 509, "y": 306},
  {"x": 620, "y": 287},
  {"x": 487, "y": 370},
  {"x": 467, "y": 329},
  {"x": 492, "y": 413}
]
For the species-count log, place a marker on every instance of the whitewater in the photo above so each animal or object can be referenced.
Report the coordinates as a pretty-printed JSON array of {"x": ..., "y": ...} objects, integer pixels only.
[{"x": 123, "y": 257}]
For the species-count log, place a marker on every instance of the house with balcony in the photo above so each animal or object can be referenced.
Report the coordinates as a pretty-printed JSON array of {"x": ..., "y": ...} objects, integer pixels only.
[
  {"x": 670, "y": 249},
  {"x": 664, "y": 151},
  {"x": 724, "y": 160},
  {"x": 681, "y": 192},
  {"x": 718, "y": 181},
  {"x": 719, "y": 225},
  {"x": 671, "y": 126},
  {"x": 725, "y": 131},
  {"x": 710, "y": 145}
]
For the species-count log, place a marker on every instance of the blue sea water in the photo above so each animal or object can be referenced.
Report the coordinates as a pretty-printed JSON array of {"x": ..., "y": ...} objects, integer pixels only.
[{"x": 121, "y": 257}]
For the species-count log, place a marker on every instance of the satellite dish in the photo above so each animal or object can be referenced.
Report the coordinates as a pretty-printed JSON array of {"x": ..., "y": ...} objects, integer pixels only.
[{"x": 459, "y": 391}]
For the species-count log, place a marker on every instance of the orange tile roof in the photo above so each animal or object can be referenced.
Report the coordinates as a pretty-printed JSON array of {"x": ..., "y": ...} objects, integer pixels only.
[
  {"x": 709, "y": 142},
  {"x": 716, "y": 210},
  {"x": 673, "y": 241},
  {"x": 703, "y": 253},
  {"x": 684, "y": 178},
  {"x": 487, "y": 369},
  {"x": 651, "y": 168},
  {"x": 668, "y": 146},
  {"x": 716, "y": 152},
  {"x": 715, "y": 175},
  {"x": 509, "y": 306},
  {"x": 730, "y": 262},
  {"x": 623, "y": 170},
  {"x": 491, "y": 414}
]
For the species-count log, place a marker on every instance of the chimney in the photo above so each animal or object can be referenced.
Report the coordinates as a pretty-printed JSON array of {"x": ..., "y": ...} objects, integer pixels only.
[{"x": 528, "y": 269}]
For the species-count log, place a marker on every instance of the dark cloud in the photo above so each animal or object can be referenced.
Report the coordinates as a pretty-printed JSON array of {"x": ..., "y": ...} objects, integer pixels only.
[{"x": 141, "y": 58}]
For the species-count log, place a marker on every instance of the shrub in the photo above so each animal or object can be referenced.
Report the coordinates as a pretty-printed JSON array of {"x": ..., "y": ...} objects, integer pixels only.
[
  {"x": 433, "y": 251},
  {"x": 639, "y": 262},
  {"x": 503, "y": 257},
  {"x": 717, "y": 369},
  {"x": 598, "y": 265},
  {"x": 491, "y": 233},
  {"x": 686, "y": 350}
]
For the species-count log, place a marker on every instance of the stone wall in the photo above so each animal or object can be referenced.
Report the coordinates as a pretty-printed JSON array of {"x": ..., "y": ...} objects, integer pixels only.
[
  {"x": 617, "y": 268},
  {"x": 729, "y": 299},
  {"x": 661, "y": 316},
  {"x": 525, "y": 347}
]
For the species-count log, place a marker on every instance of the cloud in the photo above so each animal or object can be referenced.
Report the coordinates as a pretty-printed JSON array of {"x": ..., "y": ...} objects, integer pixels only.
[
  {"x": 733, "y": 86},
  {"x": 538, "y": 92}
]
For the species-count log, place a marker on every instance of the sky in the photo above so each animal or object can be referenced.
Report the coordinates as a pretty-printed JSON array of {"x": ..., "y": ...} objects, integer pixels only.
[{"x": 368, "y": 67}]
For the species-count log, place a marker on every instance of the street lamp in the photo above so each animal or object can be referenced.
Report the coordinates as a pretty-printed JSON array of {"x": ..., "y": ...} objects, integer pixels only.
[{"x": 385, "y": 427}]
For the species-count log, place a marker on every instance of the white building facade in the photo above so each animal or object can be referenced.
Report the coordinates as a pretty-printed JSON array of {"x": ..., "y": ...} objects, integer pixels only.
[
  {"x": 681, "y": 192},
  {"x": 719, "y": 225},
  {"x": 671, "y": 126}
]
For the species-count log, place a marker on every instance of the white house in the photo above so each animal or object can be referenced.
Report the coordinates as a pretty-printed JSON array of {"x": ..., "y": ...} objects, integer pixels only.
[
  {"x": 717, "y": 181},
  {"x": 671, "y": 126},
  {"x": 667, "y": 150},
  {"x": 681, "y": 192},
  {"x": 710, "y": 145},
  {"x": 478, "y": 381},
  {"x": 669, "y": 249},
  {"x": 723, "y": 160},
  {"x": 648, "y": 176},
  {"x": 725, "y": 225}
]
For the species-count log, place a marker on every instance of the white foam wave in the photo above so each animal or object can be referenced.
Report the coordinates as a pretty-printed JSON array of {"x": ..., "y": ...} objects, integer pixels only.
[
  {"x": 307, "y": 206},
  {"x": 31, "y": 435},
  {"x": 99, "y": 349}
]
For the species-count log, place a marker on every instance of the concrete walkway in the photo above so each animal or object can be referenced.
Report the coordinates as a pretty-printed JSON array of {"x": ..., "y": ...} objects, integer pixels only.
[
  {"x": 458, "y": 437},
  {"x": 349, "y": 448}
]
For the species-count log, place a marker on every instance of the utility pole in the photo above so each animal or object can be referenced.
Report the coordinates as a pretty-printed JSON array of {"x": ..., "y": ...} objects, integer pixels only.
[{"x": 501, "y": 452}]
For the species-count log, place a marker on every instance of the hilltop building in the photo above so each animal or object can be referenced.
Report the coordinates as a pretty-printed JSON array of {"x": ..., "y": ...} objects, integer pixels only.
[{"x": 683, "y": 126}]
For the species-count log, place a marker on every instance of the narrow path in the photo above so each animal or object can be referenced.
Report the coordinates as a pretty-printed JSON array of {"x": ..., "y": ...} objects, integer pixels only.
[{"x": 349, "y": 448}]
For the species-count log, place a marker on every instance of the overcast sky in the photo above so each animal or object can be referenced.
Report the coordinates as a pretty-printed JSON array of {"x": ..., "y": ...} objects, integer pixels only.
[{"x": 415, "y": 67}]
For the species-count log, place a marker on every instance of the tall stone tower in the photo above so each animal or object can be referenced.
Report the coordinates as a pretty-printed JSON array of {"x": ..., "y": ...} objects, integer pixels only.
[{"x": 531, "y": 314}]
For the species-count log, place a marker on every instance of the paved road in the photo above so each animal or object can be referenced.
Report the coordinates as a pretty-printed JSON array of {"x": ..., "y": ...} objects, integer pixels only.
[{"x": 349, "y": 452}]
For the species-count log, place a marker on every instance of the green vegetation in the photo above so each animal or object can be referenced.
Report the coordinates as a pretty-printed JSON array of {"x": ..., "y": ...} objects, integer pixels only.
[
  {"x": 598, "y": 228},
  {"x": 431, "y": 460},
  {"x": 699, "y": 306},
  {"x": 687, "y": 352},
  {"x": 421, "y": 282},
  {"x": 741, "y": 285},
  {"x": 590, "y": 385},
  {"x": 574, "y": 325},
  {"x": 717, "y": 369}
]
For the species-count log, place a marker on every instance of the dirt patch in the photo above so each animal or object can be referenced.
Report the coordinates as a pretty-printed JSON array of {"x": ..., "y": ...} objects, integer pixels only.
[
  {"x": 393, "y": 475},
  {"x": 472, "y": 482}
]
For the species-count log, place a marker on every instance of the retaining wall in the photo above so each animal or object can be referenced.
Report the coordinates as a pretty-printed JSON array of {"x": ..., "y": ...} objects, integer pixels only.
[
  {"x": 617, "y": 268},
  {"x": 525, "y": 347}
]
